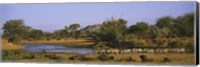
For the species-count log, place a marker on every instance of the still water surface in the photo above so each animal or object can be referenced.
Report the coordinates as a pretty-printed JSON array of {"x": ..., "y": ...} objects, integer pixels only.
[{"x": 55, "y": 48}]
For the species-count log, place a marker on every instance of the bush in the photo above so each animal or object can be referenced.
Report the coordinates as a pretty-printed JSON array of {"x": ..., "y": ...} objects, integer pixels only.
[
  {"x": 144, "y": 58},
  {"x": 80, "y": 57},
  {"x": 129, "y": 59},
  {"x": 166, "y": 59},
  {"x": 9, "y": 55},
  {"x": 52, "y": 56},
  {"x": 32, "y": 56},
  {"x": 104, "y": 57}
]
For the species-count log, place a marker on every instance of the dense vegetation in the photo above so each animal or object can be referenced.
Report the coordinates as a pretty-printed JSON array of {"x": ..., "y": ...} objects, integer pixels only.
[{"x": 114, "y": 33}]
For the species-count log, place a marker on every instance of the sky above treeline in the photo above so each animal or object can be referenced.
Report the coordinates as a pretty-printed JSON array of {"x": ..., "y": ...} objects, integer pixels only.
[{"x": 54, "y": 16}]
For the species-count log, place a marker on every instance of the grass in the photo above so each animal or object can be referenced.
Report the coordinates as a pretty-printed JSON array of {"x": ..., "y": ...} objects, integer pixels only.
[
  {"x": 186, "y": 59},
  {"x": 10, "y": 46},
  {"x": 67, "y": 42}
]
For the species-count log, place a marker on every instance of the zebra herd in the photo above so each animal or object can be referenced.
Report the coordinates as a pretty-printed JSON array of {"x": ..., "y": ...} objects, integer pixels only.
[{"x": 141, "y": 50}]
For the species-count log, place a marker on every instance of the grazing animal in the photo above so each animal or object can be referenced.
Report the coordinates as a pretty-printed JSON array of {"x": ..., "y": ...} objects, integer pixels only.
[
  {"x": 159, "y": 51},
  {"x": 141, "y": 50},
  {"x": 125, "y": 51},
  {"x": 137, "y": 50},
  {"x": 148, "y": 50},
  {"x": 165, "y": 50},
  {"x": 129, "y": 59},
  {"x": 101, "y": 51},
  {"x": 181, "y": 50},
  {"x": 114, "y": 51}
]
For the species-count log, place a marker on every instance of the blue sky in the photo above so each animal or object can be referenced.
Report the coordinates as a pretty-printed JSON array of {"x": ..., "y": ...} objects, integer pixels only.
[{"x": 51, "y": 17}]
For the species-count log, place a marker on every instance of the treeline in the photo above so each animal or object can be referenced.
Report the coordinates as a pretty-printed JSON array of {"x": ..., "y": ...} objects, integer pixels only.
[{"x": 114, "y": 33}]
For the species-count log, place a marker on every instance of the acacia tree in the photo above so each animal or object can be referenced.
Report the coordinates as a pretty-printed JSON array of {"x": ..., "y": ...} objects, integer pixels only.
[
  {"x": 185, "y": 25},
  {"x": 112, "y": 32},
  {"x": 58, "y": 34},
  {"x": 166, "y": 26},
  {"x": 141, "y": 29},
  {"x": 166, "y": 22},
  {"x": 36, "y": 34},
  {"x": 15, "y": 30}
]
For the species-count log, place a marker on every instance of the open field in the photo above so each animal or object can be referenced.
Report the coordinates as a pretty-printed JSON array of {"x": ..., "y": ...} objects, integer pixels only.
[{"x": 186, "y": 59}]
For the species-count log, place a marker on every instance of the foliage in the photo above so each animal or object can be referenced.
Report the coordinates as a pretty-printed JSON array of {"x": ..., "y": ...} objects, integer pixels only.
[
  {"x": 14, "y": 30},
  {"x": 112, "y": 31}
]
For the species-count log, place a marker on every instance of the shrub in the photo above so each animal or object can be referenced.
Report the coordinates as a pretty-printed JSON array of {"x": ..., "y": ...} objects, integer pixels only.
[
  {"x": 32, "y": 56},
  {"x": 144, "y": 58},
  {"x": 80, "y": 57},
  {"x": 129, "y": 59},
  {"x": 104, "y": 57},
  {"x": 166, "y": 59},
  {"x": 52, "y": 56}
]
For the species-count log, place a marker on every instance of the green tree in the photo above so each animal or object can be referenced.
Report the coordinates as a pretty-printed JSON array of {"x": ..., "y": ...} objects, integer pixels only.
[
  {"x": 73, "y": 29},
  {"x": 15, "y": 30},
  {"x": 166, "y": 27},
  {"x": 90, "y": 31},
  {"x": 36, "y": 34},
  {"x": 141, "y": 29},
  {"x": 112, "y": 32},
  {"x": 185, "y": 24},
  {"x": 166, "y": 21},
  {"x": 59, "y": 34}
]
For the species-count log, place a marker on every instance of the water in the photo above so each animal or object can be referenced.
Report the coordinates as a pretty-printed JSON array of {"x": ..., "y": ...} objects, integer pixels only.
[{"x": 55, "y": 48}]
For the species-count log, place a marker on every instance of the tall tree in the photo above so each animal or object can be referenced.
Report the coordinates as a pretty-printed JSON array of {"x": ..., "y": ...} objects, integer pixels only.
[
  {"x": 59, "y": 34},
  {"x": 166, "y": 26},
  {"x": 112, "y": 31},
  {"x": 141, "y": 29},
  {"x": 185, "y": 24},
  {"x": 15, "y": 30},
  {"x": 36, "y": 34},
  {"x": 166, "y": 21}
]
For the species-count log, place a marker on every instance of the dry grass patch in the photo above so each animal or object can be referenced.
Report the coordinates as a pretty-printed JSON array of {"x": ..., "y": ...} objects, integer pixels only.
[
  {"x": 10, "y": 46},
  {"x": 67, "y": 42}
]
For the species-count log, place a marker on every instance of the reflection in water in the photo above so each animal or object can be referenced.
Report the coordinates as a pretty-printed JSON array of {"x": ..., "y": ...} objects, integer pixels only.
[{"x": 55, "y": 48}]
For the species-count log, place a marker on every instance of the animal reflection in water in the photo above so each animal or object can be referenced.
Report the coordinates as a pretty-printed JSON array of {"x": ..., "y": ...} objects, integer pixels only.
[{"x": 141, "y": 50}]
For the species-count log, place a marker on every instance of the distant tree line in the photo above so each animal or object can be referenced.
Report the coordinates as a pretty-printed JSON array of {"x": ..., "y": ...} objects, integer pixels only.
[{"x": 114, "y": 32}]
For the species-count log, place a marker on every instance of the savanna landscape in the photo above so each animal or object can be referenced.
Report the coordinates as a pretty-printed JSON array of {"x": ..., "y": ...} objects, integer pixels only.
[{"x": 170, "y": 40}]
